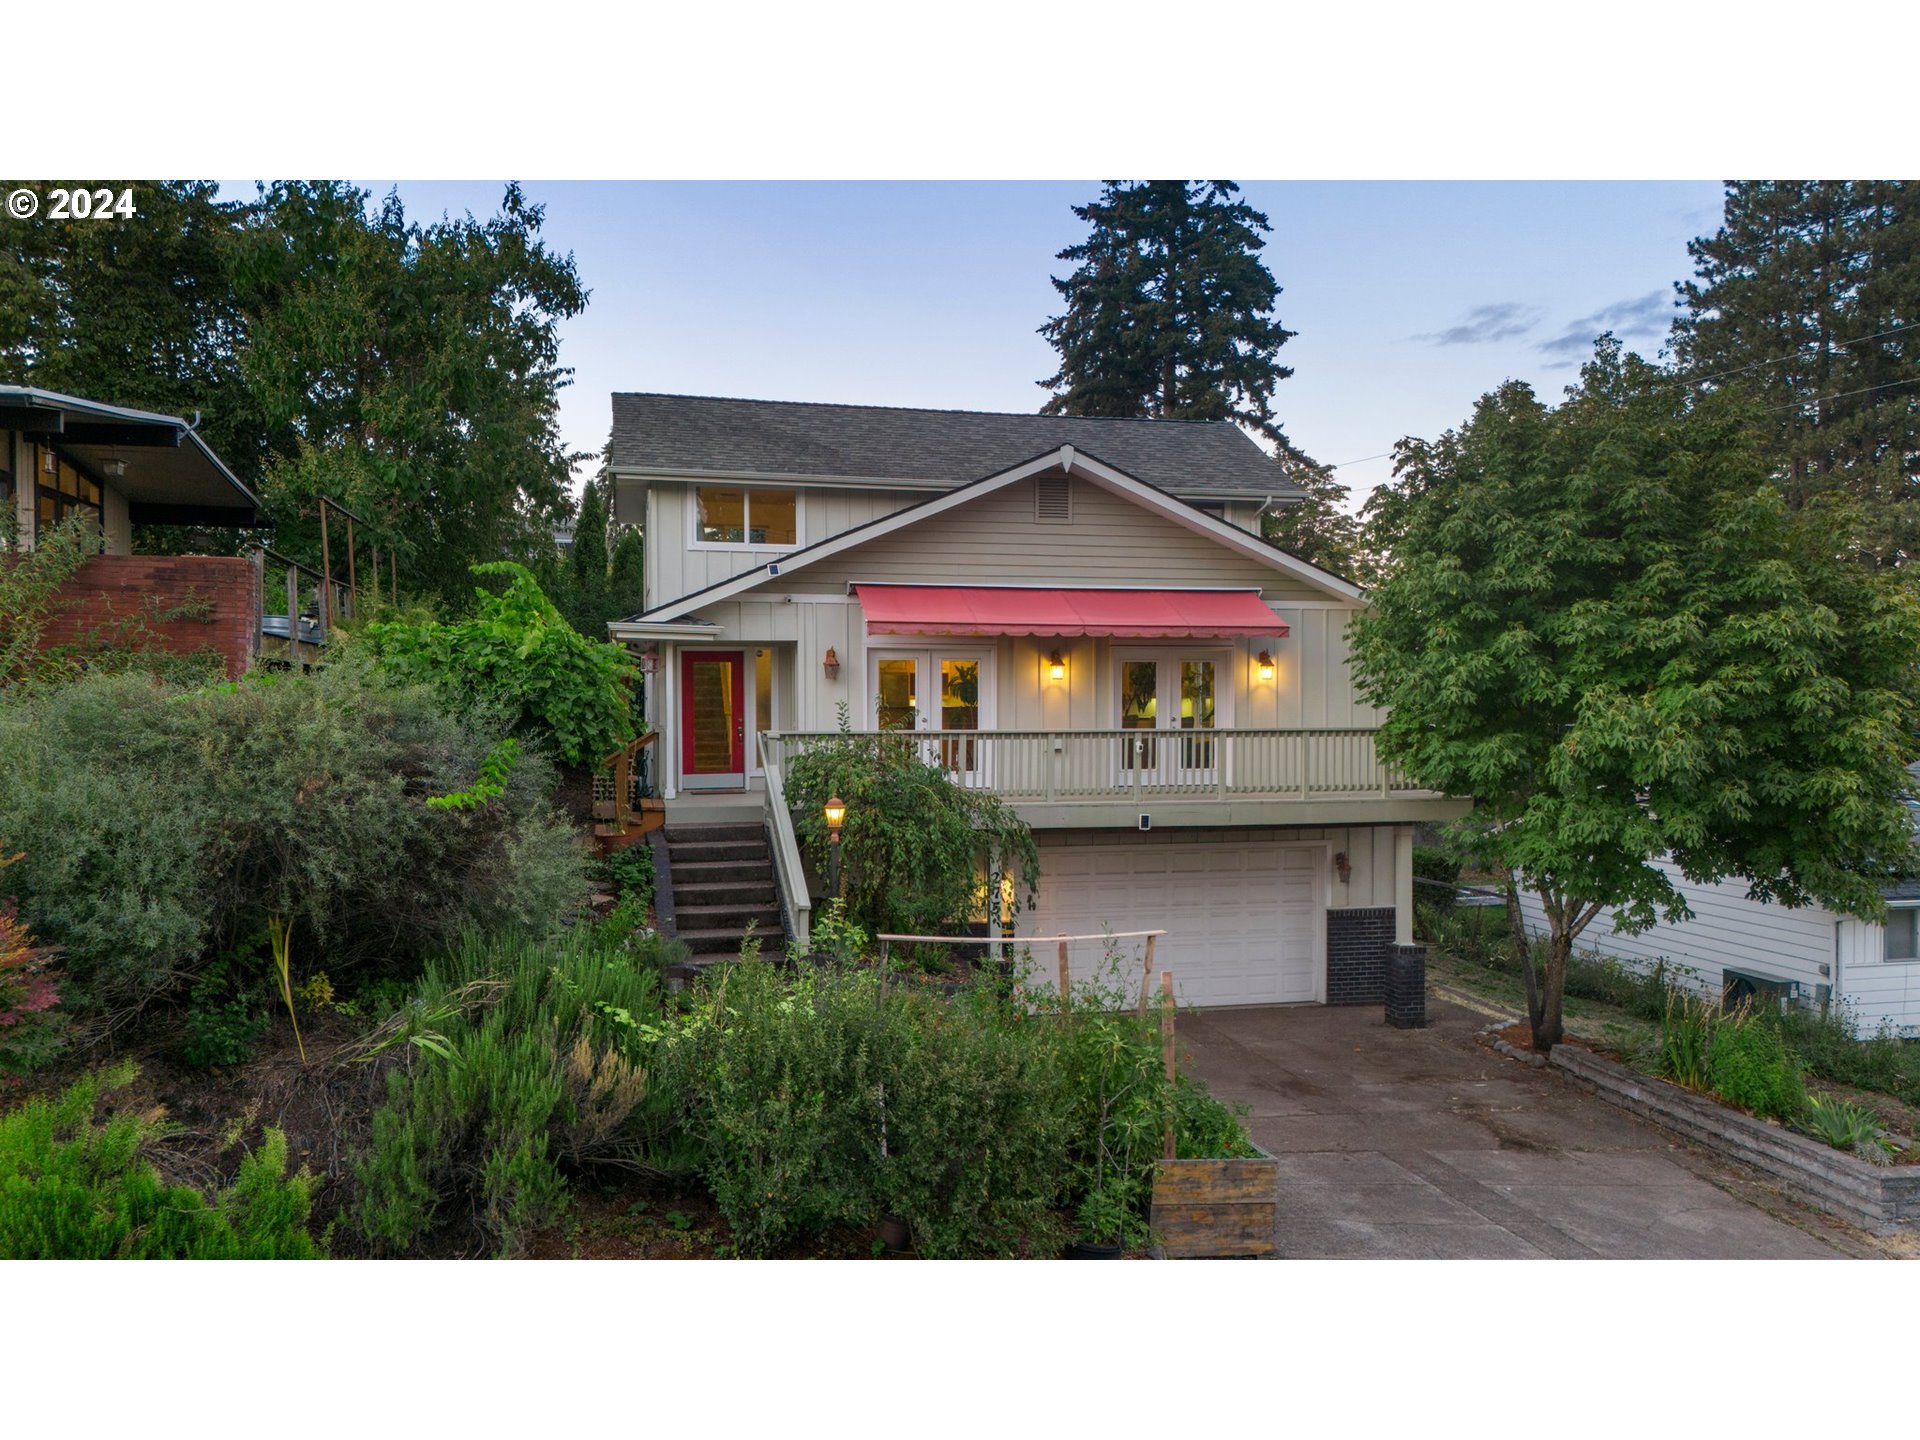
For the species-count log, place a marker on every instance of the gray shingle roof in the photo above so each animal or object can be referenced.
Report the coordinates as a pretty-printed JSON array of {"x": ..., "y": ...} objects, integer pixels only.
[{"x": 698, "y": 433}]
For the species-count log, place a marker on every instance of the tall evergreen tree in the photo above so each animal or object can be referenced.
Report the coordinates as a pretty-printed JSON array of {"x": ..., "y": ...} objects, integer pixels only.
[
  {"x": 1169, "y": 309},
  {"x": 1318, "y": 528},
  {"x": 629, "y": 583},
  {"x": 1792, "y": 301},
  {"x": 587, "y": 564}
]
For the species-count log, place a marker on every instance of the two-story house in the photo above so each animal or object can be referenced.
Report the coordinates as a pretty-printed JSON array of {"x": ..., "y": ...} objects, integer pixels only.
[{"x": 1080, "y": 615}]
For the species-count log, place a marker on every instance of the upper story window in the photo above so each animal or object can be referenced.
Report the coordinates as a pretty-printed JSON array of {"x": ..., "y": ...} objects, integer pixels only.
[{"x": 768, "y": 519}]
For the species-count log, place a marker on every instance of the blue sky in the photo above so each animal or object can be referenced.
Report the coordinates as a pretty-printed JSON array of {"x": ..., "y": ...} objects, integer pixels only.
[{"x": 1410, "y": 299}]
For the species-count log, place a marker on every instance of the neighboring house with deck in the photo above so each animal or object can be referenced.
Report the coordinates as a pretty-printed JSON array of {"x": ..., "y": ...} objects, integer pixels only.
[
  {"x": 62, "y": 455},
  {"x": 1078, "y": 614}
]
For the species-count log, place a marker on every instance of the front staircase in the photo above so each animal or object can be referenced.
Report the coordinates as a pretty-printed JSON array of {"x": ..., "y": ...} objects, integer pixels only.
[{"x": 721, "y": 876}]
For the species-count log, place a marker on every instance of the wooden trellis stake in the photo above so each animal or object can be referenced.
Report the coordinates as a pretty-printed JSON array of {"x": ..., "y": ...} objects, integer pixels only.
[
  {"x": 1166, "y": 1042},
  {"x": 1146, "y": 975},
  {"x": 1066, "y": 993}
]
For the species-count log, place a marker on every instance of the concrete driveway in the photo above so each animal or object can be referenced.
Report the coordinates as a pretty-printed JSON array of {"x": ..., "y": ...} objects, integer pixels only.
[{"x": 1426, "y": 1145}]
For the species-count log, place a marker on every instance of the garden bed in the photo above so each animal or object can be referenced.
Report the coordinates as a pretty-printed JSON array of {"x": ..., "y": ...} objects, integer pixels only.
[
  {"x": 1216, "y": 1209},
  {"x": 1879, "y": 1197}
]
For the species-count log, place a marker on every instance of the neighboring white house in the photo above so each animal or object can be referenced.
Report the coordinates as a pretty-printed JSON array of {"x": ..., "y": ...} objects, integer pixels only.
[
  {"x": 1078, "y": 614},
  {"x": 1871, "y": 972}
]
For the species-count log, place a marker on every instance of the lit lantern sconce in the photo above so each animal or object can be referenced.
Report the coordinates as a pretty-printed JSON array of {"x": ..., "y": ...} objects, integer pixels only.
[
  {"x": 836, "y": 815},
  {"x": 1266, "y": 666},
  {"x": 831, "y": 665},
  {"x": 1056, "y": 666}
]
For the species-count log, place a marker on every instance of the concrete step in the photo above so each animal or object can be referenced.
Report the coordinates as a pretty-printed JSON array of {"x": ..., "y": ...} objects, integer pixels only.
[
  {"x": 715, "y": 872},
  {"x": 694, "y": 853},
  {"x": 707, "y": 917},
  {"x": 758, "y": 893},
  {"x": 680, "y": 832},
  {"x": 721, "y": 941}
]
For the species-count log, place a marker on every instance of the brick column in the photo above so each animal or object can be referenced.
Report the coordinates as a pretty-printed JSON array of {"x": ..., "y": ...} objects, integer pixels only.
[{"x": 1406, "y": 986}]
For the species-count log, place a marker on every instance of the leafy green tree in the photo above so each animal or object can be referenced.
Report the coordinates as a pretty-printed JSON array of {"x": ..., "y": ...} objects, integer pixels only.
[
  {"x": 629, "y": 582},
  {"x": 517, "y": 655},
  {"x": 587, "y": 565},
  {"x": 1169, "y": 309},
  {"x": 1605, "y": 624},
  {"x": 1807, "y": 298},
  {"x": 409, "y": 371}
]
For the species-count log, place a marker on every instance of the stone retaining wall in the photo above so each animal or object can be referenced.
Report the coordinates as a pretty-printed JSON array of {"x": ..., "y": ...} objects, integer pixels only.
[{"x": 1877, "y": 1197}]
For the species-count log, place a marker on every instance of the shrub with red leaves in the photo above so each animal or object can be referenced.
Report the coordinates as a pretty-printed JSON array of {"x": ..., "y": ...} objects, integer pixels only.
[{"x": 29, "y": 989}]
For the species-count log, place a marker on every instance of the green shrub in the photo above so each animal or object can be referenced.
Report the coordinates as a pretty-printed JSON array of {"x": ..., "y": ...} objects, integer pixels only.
[
  {"x": 71, "y": 1189},
  {"x": 1686, "y": 1035},
  {"x": 30, "y": 581},
  {"x": 1206, "y": 1128},
  {"x": 783, "y": 1077},
  {"x": 1748, "y": 1066},
  {"x": 914, "y": 845},
  {"x": 976, "y": 1131},
  {"x": 164, "y": 825},
  {"x": 535, "y": 1073},
  {"x": 1825, "y": 1044},
  {"x": 516, "y": 655},
  {"x": 1841, "y": 1124},
  {"x": 628, "y": 874}
]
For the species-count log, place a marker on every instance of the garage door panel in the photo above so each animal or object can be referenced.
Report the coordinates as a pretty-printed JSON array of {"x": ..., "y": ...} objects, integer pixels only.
[{"x": 1242, "y": 919}]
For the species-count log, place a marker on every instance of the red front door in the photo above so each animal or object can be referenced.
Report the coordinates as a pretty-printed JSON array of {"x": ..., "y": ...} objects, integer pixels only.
[{"x": 713, "y": 720}]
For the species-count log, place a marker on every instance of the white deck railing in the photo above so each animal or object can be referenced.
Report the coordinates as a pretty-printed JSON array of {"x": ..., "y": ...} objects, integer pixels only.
[{"x": 1067, "y": 766}]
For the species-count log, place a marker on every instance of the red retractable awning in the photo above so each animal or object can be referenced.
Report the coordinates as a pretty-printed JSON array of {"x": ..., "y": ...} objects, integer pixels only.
[{"x": 996, "y": 610}]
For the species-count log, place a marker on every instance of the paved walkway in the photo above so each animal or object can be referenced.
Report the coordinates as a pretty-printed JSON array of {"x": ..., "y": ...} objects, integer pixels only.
[{"x": 1426, "y": 1145}]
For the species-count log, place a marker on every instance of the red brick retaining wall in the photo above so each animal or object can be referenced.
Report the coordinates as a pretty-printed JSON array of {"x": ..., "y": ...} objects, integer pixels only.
[{"x": 182, "y": 604}]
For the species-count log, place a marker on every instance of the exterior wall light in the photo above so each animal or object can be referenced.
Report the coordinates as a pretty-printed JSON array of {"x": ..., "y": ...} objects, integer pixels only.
[
  {"x": 831, "y": 665},
  {"x": 1265, "y": 662},
  {"x": 1057, "y": 665},
  {"x": 836, "y": 813},
  {"x": 1343, "y": 867}
]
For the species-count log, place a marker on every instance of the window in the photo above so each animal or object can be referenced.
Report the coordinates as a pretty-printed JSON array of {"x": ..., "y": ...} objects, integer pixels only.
[
  {"x": 1902, "y": 935},
  {"x": 63, "y": 491},
  {"x": 730, "y": 516}
]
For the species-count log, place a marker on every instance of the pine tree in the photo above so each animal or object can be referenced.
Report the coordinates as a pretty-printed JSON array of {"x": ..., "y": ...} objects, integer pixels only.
[
  {"x": 1791, "y": 302},
  {"x": 1169, "y": 310},
  {"x": 629, "y": 584},
  {"x": 587, "y": 564}
]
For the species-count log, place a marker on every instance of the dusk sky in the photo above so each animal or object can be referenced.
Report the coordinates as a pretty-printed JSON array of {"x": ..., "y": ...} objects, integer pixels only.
[{"x": 1410, "y": 299}]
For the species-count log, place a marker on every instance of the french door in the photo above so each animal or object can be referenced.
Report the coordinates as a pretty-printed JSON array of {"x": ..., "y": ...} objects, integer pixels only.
[
  {"x": 1173, "y": 703},
  {"x": 713, "y": 720},
  {"x": 944, "y": 692}
]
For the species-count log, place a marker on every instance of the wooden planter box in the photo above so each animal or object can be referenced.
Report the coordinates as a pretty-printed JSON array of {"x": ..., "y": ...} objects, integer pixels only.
[{"x": 1216, "y": 1209}]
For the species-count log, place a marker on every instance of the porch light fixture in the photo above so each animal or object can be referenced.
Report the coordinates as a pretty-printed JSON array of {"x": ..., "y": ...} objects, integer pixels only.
[
  {"x": 831, "y": 667},
  {"x": 1265, "y": 662},
  {"x": 1343, "y": 867},
  {"x": 650, "y": 660},
  {"x": 836, "y": 813},
  {"x": 1057, "y": 666},
  {"x": 116, "y": 467}
]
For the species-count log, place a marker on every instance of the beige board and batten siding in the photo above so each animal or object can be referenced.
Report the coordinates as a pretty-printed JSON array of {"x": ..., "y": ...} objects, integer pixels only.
[
  {"x": 1728, "y": 931},
  {"x": 675, "y": 568}
]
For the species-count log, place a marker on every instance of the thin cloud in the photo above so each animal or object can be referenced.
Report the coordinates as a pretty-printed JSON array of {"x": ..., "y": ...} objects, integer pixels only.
[
  {"x": 1485, "y": 324},
  {"x": 1645, "y": 318}
]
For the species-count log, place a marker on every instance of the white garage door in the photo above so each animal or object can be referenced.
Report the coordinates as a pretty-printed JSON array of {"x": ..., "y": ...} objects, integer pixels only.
[{"x": 1243, "y": 920}]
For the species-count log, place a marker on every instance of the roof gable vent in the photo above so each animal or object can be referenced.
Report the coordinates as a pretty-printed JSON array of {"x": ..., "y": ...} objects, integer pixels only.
[{"x": 1053, "y": 499}]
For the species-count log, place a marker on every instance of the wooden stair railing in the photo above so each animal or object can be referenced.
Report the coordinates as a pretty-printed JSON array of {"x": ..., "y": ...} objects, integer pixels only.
[{"x": 616, "y": 804}]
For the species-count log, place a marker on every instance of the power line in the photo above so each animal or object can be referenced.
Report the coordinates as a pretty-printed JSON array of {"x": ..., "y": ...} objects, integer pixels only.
[
  {"x": 1848, "y": 394},
  {"x": 1783, "y": 359}
]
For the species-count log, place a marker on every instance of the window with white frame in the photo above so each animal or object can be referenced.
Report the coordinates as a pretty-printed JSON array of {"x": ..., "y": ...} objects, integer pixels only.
[
  {"x": 1903, "y": 934},
  {"x": 736, "y": 515}
]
